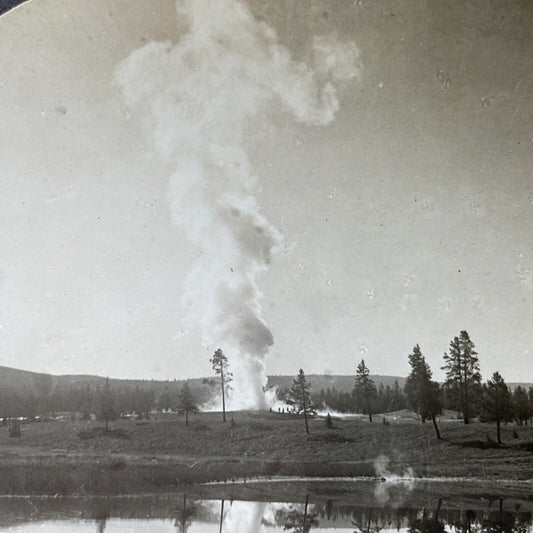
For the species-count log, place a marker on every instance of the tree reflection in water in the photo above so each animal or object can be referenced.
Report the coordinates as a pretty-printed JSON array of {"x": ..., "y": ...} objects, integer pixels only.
[
  {"x": 439, "y": 521},
  {"x": 251, "y": 516},
  {"x": 221, "y": 516},
  {"x": 357, "y": 512},
  {"x": 183, "y": 516},
  {"x": 301, "y": 522},
  {"x": 502, "y": 521},
  {"x": 101, "y": 516},
  {"x": 100, "y": 525},
  {"x": 367, "y": 527},
  {"x": 428, "y": 524}
]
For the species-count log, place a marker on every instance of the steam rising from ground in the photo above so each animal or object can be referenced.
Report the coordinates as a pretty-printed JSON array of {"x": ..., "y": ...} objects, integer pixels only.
[
  {"x": 394, "y": 488},
  {"x": 197, "y": 98}
]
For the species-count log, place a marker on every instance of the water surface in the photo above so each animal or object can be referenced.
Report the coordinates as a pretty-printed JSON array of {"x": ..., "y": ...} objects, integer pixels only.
[{"x": 273, "y": 508}]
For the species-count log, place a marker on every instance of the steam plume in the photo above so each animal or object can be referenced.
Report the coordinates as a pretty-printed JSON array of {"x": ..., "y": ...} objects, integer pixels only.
[
  {"x": 198, "y": 97},
  {"x": 394, "y": 488}
]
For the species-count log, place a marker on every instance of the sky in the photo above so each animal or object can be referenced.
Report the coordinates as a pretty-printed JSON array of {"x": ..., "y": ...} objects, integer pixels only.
[{"x": 382, "y": 153}]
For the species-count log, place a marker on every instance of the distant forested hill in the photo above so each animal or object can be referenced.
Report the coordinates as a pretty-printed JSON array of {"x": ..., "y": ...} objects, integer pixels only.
[
  {"x": 340, "y": 383},
  {"x": 23, "y": 381}
]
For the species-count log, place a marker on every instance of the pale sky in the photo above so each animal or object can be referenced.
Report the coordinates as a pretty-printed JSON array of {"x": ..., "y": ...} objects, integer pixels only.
[{"x": 405, "y": 216}]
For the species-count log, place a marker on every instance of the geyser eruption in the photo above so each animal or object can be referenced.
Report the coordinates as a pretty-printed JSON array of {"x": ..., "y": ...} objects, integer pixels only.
[{"x": 198, "y": 98}]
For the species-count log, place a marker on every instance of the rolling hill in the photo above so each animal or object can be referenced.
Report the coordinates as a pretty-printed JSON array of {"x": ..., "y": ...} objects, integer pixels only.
[{"x": 24, "y": 380}]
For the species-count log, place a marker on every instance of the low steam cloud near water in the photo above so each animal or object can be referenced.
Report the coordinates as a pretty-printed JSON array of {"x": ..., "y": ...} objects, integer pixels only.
[
  {"x": 390, "y": 480},
  {"x": 197, "y": 97}
]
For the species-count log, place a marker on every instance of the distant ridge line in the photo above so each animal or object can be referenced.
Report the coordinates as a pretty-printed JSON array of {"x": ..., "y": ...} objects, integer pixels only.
[{"x": 18, "y": 378}]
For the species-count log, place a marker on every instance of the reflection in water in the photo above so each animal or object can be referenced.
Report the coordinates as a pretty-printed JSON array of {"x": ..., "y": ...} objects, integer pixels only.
[
  {"x": 243, "y": 517},
  {"x": 338, "y": 512},
  {"x": 428, "y": 523},
  {"x": 183, "y": 516},
  {"x": 369, "y": 527},
  {"x": 101, "y": 517},
  {"x": 301, "y": 522},
  {"x": 501, "y": 522},
  {"x": 100, "y": 524}
]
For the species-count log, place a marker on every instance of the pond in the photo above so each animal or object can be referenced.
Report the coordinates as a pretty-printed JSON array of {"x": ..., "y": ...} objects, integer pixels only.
[{"x": 297, "y": 507}]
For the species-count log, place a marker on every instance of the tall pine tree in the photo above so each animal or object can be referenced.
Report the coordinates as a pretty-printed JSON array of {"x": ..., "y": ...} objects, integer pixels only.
[
  {"x": 414, "y": 381},
  {"x": 423, "y": 393},
  {"x": 220, "y": 365},
  {"x": 463, "y": 379},
  {"x": 497, "y": 402},
  {"x": 365, "y": 391},
  {"x": 300, "y": 397}
]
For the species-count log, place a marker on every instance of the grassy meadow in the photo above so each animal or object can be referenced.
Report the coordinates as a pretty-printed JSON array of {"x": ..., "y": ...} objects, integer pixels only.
[{"x": 162, "y": 452}]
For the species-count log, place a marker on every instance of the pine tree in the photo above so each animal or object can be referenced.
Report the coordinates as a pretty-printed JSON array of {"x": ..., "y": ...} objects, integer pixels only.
[
  {"x": 462, "y": 373},
  {"x": 300, "y": 398},
  {"x": 414, "y": 382},
  {"x": 365, "y": 390},
  {"x": 187, "y": 401},
  {"x": 497, "y": 401},
  {"x": 220, "y": 365},
  {"x": 421, "y": 391}
]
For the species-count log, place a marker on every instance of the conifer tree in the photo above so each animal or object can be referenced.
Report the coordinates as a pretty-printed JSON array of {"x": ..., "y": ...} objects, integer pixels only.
[
  {"x": 187, "y": 401},
  {"x": 220, "y": 365},
  {"x": 415, "y": 380},
  {"x": 365, "y": 390},
  {"x": 300, "y": 398},
  {"x": 423, "y": 393},
  {"x": 497, "y": 401},
  {"x": 463, "y": 379}
]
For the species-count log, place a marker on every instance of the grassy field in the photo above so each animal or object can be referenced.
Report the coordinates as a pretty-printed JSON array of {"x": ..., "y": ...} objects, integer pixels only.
[{"x": 250, "y": 444}]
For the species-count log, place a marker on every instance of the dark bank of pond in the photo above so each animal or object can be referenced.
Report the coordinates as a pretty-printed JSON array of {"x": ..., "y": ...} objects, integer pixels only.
[{"x": 298, "y": 507}]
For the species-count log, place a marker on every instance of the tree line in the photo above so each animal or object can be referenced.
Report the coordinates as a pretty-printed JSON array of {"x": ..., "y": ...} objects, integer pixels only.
[
  {"x": 462, "y": 391},
  {"x": 108, "y": 400},
  {"x": 105, "y": 399}
]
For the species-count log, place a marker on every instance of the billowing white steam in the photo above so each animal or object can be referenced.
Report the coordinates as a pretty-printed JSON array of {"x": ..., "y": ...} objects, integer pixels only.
[{"x": 197, "y": 98}]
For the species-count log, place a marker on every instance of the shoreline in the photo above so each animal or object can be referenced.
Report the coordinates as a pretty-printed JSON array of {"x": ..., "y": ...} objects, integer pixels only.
[{"x": 71, "y": 456}]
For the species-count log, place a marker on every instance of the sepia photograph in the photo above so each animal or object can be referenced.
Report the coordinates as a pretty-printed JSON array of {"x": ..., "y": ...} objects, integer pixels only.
[{"x": 266, "y": 266}]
